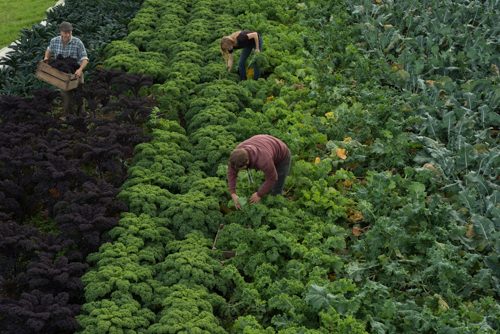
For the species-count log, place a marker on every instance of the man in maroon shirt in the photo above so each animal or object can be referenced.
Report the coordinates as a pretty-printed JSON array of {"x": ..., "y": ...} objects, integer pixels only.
[{"x": 265, "y": 153}]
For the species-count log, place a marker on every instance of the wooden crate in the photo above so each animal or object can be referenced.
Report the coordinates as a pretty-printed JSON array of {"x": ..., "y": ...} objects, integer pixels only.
[{"x": 64, "y": 81}]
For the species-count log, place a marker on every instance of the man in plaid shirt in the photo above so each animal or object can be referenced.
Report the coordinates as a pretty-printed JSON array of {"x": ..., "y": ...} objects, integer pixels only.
[{"x": 67, "y": 45}]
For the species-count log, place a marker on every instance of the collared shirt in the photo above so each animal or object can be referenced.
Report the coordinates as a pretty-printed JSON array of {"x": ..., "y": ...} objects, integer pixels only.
[{"x": 74, "y": 48}]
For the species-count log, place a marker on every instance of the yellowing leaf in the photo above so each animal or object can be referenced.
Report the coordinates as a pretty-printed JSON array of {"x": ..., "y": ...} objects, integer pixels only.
[
  {"x": 356, "y": 216},
  {"x": 347, "y": 183},
  {"x": 317, "y": 160},
  {"x": 406, "y": 108},
  {"x": 329, "y": 115},
  {"x": 347, "y": 140},
  {"x": 449, "y": 103},
  {"x": 442, "y": 304},
  {"x": 470, "y": 231},
  {"x": 341, "y": 153},
  {"x": 396, "y": 67},
  {"x": 432, "y": 168},
  {"x": 494, "y": 69},
  {"x": 403, "y": 75},
  {"x": 250, "y": 72},
  {"x": 481, "y": 148}
]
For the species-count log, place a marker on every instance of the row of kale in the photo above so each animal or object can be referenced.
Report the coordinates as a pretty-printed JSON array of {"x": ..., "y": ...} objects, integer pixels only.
[
  {"x": 59, "y": 181},
  {"x": 60, "y": 177},
  {"x": 159, "y": 273}
]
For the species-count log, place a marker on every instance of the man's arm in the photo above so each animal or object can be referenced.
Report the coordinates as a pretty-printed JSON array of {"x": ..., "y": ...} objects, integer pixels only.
[
  {"x": 82, "y": 56},
  {"x": 50, "y": 48},
  {"x": 271, "y": 177},
  {"x": 231, "y": 180},
  {"x": 79, "y": 71},
  {"x": 46, "y": 57},
  {"x": 232, "y": 174}
]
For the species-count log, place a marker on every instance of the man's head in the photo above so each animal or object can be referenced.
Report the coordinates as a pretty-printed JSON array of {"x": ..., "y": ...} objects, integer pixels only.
[
  {"x": 239, "y": 159},
  {"x": 66, "y": 30}
]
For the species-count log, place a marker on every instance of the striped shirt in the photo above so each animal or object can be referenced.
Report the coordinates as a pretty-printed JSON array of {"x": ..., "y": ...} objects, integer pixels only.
[{"x": 74, "y": 49}]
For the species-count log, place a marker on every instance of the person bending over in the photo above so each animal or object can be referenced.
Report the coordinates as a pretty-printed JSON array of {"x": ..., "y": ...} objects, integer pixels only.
[
  {"x": 246, "y": 40},
  {"x": 260, "y": 152}
]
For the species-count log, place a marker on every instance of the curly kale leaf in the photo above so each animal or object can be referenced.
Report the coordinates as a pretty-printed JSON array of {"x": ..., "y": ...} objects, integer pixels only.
[
  {"x": 144, "y": 198},
  {"x": 189, "y": 262},
  {"x": 119, "y": 313},
  {"x": 212, "y": 144},
  {"x": 193, "y": 211},
  {"x": 187, "y": 309}
]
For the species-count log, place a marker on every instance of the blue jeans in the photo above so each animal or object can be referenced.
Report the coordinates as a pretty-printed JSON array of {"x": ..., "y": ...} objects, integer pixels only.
[{"x": 245, "y": 53}]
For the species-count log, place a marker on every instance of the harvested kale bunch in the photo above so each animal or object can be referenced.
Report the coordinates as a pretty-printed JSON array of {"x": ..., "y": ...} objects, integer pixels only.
[{"x": 67, "y": 65}]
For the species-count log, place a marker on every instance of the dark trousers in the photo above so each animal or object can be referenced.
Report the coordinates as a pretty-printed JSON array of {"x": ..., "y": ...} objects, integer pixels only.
[
  {"x": 245, "y": 53},
  {"x": 283, "y": 168},
  {"x": 73, "y": 101}
]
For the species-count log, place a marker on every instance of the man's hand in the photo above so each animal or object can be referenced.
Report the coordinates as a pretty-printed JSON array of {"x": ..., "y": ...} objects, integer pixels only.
[
  {"x": 78, "y": 72},
  {"x": 255, "y": 198},
  {"x": 236, "y": 201}
]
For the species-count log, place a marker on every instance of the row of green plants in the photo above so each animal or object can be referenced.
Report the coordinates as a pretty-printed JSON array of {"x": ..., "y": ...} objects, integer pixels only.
[
  {"x": 59, "y": 176},
  {"x": 388, "y": 223},
  {"x": 369, "y": 235},
  {"x": 287, "y": 250},
  {"x": 424, "y": 142}
]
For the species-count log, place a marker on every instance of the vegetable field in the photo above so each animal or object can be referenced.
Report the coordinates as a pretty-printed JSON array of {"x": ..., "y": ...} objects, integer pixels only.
[{"x": 120, "y": 221}]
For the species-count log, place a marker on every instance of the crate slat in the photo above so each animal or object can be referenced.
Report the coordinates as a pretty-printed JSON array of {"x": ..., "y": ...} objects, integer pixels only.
[{"x": 53, "y": 76}]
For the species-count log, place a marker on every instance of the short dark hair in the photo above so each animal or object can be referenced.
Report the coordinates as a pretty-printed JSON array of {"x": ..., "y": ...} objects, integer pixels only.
[
  {"x": 65, "y": 26},
  {"x": 238, "y": 158}
]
